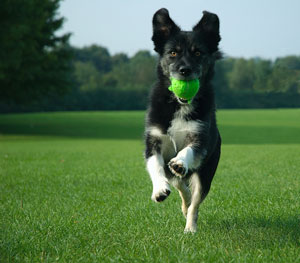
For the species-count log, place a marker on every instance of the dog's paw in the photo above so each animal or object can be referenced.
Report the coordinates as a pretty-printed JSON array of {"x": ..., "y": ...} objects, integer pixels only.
[
  {"x": 178, "y": 167},
  {"x": 190, "y": 230},
  {"x": 160, "y": 194}
]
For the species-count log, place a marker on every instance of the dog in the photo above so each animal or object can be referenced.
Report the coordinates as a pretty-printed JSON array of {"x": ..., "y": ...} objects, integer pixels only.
[{"x": 182, "y": 141}]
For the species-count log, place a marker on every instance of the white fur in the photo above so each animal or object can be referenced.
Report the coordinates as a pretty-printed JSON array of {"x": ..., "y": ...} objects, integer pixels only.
[
  {"x": 175, "y": 140},
  {"x": 184, "y": 193},
  {"x": 184, "y": 110},
  {"x": 175, "y": 147},
  {"x": 187, "y": 156},
  {"x": 154, "y": 131},
  {"x": 185, "y": 159},
  {"x": 156, "y": 171},
  {"x": 192, "y": 211},
  {"x": 168, "y": 146},
  {"x": 180, "y": 128},
  {"x": 179, "y": 125}
]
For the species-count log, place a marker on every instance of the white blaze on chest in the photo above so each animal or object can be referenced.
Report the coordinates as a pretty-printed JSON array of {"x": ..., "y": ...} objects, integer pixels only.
[
  {"x": 176, "y": 137},
  {"x": 168, "y": 150},
  {"x": 180, "y": 128}
]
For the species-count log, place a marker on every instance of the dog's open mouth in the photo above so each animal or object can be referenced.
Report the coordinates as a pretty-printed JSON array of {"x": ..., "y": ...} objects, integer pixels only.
[{"x": 184, "y": 101}]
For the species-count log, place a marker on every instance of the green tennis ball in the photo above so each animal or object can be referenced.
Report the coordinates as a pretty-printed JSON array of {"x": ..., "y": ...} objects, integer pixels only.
[{"x": 185, "y": 89}]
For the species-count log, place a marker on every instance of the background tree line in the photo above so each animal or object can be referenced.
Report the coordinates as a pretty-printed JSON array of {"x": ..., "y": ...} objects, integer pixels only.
[
  {"x": 40, "y": 71},
  {"x": 100, "y": 81}
]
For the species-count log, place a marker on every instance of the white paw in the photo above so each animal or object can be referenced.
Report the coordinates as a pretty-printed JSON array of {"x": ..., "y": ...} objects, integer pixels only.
[
  {"x": 190, "y": 229},
  {"x": 161, "y": 192},
  {"x": 178, "y": 167}
]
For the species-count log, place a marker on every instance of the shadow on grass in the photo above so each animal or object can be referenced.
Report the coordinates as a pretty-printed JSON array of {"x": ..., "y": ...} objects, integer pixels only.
[{"x": 267, "y": 231}]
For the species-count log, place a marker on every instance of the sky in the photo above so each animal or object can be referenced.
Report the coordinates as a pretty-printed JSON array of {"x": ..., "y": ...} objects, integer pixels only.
[{"x": 253, "y": 28}]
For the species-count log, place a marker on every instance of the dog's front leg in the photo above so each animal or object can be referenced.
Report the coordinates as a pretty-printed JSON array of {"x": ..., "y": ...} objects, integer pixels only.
[
  {"x": 161, "y": 187},
  {"x": 155, "y": 166},
  {"x": 188, "y": 158}
]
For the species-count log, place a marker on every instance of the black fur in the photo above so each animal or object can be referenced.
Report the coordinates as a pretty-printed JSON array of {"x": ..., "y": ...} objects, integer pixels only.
[{"x": 186, "y": 64}]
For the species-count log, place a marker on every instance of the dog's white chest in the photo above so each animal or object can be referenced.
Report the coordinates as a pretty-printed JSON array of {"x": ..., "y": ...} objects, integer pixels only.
[
  {"x": 177, "y": 137},
  {"x": 179, "y": 131}
]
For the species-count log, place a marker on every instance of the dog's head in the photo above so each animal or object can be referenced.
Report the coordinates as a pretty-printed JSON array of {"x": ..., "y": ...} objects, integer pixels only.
[{"x": 183, "y": 53}]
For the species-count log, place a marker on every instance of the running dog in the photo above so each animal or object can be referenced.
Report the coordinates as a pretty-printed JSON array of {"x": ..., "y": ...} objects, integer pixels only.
[{"x": 182, "y": 139}]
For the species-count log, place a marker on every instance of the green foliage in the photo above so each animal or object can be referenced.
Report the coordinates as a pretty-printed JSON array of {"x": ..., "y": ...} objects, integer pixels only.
[
  {"x": 239, "y": 83},
  {"x": 263, "y": 76},
  {"x": 286, "y": 75},
  {"x": 262, "y": 71},
  {"x": 290, "y": 62},
  {"x": 73, "y": 188},
  {"x": 37, "y": 72},
  {"x": 257, "y": 83},
  {"x": 135, "y": 74},
  {"x": 33, "y": 60},
  {"x": 241, "y": 78},
  {"x": 98, "y": 56},
  {"x": 87, "y": 75}
]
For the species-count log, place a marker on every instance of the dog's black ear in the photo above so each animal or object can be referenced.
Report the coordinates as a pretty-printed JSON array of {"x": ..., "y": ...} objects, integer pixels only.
[
  {"x": 163, "y": 28},
  {"x": 209, "y": 26}
]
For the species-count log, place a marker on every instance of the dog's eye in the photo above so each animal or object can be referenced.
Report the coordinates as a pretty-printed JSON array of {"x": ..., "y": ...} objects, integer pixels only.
[
  {"x": 197, "y": 53},
  {"x": 173, "y": 54}
]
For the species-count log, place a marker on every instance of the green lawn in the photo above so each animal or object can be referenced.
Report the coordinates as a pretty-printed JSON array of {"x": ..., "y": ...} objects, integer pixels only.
[{"x": 73, "y": 188}]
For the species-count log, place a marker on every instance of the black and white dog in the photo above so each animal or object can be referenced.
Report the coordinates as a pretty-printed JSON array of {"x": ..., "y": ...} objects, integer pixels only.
[{"x": 182, "y": 139}]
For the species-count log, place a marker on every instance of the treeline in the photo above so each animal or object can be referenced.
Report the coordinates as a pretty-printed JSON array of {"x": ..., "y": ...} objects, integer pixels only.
[
  {"x": 106, "y": 82},
  {"x": 258, "y": 83},
  {"x": 100, "y": 81},
  {"x": 40, "y": 71}
]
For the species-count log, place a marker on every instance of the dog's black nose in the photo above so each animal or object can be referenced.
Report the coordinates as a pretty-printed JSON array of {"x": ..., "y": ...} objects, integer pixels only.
[{"x": 185, "y": 70}]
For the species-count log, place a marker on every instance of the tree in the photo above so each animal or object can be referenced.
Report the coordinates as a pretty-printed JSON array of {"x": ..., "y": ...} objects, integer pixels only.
[
  {"x": 119, "y": 59},
  {"x": 283, "y": 79},
  {"x": 290, "y": 62},
  {"x": 289, "y": 69},
  {"x": 87, "y": 76},
  {"x": 241, "y": 78},
  {"x": 33, "y": 61},
  {"x": 95, "y": 54},
  {"x": 138, "y": 74},
  {"x": 262, "y": 72}
]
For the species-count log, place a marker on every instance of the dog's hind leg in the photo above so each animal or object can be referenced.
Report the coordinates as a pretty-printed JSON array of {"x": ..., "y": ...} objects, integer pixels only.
[
  {"x": 196, "y": 199},
  {"x": 200, "y": 185},
  {"x": 184, "y": 193}
]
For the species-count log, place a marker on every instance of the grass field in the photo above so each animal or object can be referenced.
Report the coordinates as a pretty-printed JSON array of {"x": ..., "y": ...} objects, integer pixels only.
[{"x": 73, "y": 188}]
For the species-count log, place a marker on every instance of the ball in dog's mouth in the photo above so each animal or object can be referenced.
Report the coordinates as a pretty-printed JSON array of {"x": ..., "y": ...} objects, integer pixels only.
[{"x": 185, "y": 90}]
